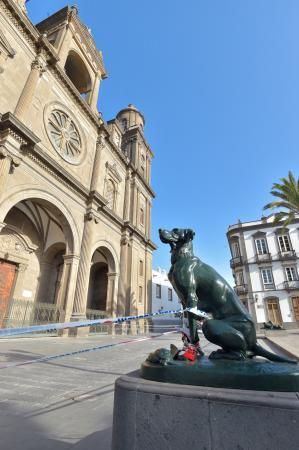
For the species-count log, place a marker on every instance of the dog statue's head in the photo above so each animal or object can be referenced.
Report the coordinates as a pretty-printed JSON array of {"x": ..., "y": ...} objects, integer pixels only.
[{"x": 177, "y": 236}]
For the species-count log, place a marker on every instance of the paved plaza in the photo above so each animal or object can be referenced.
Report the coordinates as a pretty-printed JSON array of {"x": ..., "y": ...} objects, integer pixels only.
[{"x": 67, "y": 402}]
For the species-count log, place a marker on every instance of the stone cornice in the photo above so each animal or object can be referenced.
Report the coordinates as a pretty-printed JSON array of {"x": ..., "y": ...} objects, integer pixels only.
[
  {"x": 22, "y": 20},
  {"x": 240, "y": 227},
  {"x": 10, "y": 123},
  {"x": 45, "y": 161},
  {"x": 136, "y": 172},
  {"x": 127, "y": 226}
]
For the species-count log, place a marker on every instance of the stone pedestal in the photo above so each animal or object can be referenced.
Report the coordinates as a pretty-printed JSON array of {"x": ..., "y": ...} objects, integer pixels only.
[{"x": 151, "y": 415}]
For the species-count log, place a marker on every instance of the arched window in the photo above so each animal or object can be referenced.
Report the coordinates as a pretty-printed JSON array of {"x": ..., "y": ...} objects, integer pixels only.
[
  {"x": 110, "y": 194},
  {"x": 78, "y": 73}
]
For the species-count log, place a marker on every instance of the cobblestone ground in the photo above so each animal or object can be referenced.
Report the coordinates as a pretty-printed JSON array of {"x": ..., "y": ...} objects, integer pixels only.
[{"x": 65, "y": 403}]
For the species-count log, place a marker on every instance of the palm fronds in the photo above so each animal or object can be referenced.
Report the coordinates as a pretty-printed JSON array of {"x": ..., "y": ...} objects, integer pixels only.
[{"x": 288, "y": 194}]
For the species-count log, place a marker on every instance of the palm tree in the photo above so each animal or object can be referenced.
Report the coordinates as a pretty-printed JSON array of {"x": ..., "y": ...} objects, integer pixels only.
[{"x": 288, "y": 194}]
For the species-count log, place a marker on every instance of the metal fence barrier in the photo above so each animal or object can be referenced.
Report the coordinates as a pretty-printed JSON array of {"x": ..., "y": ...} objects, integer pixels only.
[{"x": 26, "y": 313}]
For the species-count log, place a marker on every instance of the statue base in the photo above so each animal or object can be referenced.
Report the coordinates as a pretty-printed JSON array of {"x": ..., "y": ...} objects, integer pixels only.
[
  {"x": 150, "y": 415},
  {"x": 254, "y": 374}
]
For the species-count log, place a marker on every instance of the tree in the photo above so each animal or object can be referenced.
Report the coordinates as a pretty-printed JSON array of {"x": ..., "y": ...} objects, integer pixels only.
[{"x": 288, "y": 194}]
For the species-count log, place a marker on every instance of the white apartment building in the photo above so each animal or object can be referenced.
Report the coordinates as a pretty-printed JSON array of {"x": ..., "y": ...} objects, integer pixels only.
[
  {"x": 164, "y": 296},
  {"x": 265, "y": 268}
]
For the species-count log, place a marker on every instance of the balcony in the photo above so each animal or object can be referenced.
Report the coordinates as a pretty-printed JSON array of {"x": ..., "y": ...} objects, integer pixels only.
[
  {"x": 265, "y": 257},
  {"x": 290, "y": 255},
  {"x": 237, "y": 261},
  {"x": 241, "y": 289},
  {"x": 269, "y": 287},
  {"x": 291, "y": 285}
]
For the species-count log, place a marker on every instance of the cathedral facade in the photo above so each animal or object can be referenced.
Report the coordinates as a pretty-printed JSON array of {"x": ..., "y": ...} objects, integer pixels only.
[{"x": 75, "y": 193}]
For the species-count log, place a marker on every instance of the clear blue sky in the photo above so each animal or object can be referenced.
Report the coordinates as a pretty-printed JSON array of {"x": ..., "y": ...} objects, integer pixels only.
[{"x": 218, "y": 83}]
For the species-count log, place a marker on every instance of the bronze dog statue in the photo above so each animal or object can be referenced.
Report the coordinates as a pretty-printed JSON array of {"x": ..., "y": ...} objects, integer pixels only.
[{"x": 199, "y": 285}]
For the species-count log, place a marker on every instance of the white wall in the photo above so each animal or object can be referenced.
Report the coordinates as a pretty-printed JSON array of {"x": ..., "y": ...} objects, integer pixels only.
[
  {"x": 259, "y": 293},
  {"x": 159, "y": 277}
]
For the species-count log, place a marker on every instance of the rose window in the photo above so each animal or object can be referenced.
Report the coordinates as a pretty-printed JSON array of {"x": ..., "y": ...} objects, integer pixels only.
[{"x": 64, "y": 136}]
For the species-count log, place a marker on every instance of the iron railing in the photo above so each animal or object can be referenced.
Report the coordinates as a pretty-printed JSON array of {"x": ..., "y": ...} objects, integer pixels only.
[
  {"x": 290, "y": 285},
  {"x": 264, "y": 257},
  {"x": 21, "y": 313},
  {"x": 241, "y": 289},
  {"x": 95, "y": 314},
  {"x": 236, "y": 261},
  {"x": 290, "y": 254}
]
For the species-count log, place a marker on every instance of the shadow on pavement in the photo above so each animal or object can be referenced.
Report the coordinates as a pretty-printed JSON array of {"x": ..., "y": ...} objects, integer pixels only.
[
  {"x": 100, "y": 440},
  {"x": 20, "y": 433}
]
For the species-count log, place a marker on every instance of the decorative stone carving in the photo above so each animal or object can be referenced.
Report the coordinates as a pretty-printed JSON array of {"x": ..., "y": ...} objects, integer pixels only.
[
  {"x": 10, "y": 244},
  {"x": 112, "y": 168},
  {"x": 6, "y": 50},
  {"x": 64, "y": 136}
]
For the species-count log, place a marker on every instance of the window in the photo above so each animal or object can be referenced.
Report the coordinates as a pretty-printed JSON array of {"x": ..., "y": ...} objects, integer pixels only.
[
  {"x": 291, "y": 273},
  {"x": 124, "y": 123},
  {"x": 261, "y": 246},
  {"x": 169, "y": 294},
  {"x": 267, "y": 278},
  {"x": 141, "y": 268},
  {"x": 158, "y": 290},
  {"x": 284, "y": 243},
  {"x": 235, "y": 250},
  {"x": 140, "y": 296}
]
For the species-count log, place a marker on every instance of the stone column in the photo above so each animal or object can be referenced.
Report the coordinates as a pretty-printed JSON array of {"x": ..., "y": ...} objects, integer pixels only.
[
  {"x": 133, "y": 208},
  {"x": 79, "y": 309},
  {"x": 111, "y": 304},
  {"x": 25, "y": 100},
  {"x": 148, "y": 169},
  {"x": 96, "y": 164},
  {"x": 93, "y": 97},
  {"x": 123, "y": 278},
  {"x": 148, "y": 282},
  {"x": 134, "y": 151},
  {"x": 149, "y": 220}
]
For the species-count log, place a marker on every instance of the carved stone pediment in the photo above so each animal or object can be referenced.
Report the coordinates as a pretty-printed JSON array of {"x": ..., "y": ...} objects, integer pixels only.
[
  {"x": 13, "y": 242},
  {"x": 112, "y": 168}
]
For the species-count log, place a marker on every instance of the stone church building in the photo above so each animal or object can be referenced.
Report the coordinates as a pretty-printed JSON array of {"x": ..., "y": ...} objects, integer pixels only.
[{"x": 75, "y": 193}]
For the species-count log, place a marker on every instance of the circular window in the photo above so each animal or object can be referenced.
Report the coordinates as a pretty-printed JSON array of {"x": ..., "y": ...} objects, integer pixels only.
[{"x": 64, "y": 136}]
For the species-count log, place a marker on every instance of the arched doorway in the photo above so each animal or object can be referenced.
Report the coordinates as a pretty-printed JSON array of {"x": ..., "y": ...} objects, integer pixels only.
[
  {"x": 273, "y": 310},
  {"x": 97, "y": 295},
  {"x": 101, "y": 282},
  {"x": 34, "y": 239}
]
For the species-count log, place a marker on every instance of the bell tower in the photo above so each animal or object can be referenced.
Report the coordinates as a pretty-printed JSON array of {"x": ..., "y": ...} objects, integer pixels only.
[{"x": 78, "y": 56}]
